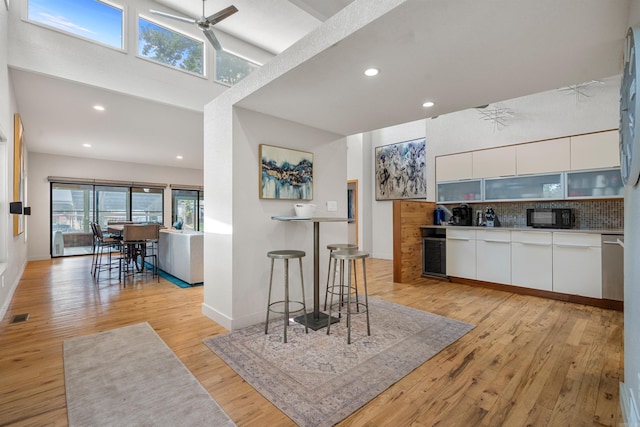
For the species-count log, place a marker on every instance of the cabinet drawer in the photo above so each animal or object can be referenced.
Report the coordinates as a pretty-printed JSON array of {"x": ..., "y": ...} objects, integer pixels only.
[
  {"x": 577, "y": 239},
  {"x": 460, "y": 234},
  {"x": 532, "y": 237},
  {"x": 494, "y": 235}
]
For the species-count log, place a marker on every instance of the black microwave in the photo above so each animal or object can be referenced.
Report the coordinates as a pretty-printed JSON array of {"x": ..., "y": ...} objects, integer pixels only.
[{"x": 550, "y": 218}]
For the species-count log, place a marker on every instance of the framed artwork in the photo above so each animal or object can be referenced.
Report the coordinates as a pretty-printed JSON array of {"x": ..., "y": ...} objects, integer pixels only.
[
  {"x": 18, "y": 173},
  {"x": 285, "y": 173},
  {"x": 400, "y": 170}
]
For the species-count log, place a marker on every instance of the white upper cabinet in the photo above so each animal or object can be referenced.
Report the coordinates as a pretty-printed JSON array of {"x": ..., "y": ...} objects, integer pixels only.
[
  {"x": 494, "y": 162},
  {"x": 544, "y": 156},
  {"x": 595, "y": 150},
  {"x": 454, "y": 167}
]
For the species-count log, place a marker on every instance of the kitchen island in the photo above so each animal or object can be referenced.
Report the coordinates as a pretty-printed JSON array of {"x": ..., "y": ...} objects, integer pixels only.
[{"x": 181, "y": 254}]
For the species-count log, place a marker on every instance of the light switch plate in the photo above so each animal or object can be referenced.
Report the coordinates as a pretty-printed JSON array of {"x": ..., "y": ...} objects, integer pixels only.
[{"x": 332, "y": 206}]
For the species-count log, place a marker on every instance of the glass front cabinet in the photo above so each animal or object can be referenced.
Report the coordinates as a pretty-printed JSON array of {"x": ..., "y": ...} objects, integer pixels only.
[
  {"x": 586, "y": 184},
  {"x": 601, "y": 183},
  {"x": 460, "y": 191},
  {"x": 528, "y": 187}
]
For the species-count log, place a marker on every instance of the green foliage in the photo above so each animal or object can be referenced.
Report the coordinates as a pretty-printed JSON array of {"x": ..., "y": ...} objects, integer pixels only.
[{"x": 171, "y": 48}]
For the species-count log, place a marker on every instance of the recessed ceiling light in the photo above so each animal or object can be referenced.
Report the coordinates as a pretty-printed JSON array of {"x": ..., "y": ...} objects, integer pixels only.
[
  {"x": 370, "y": 72},
  {"x": 428, "y": 104},
  {"x": 86, "y": 145},
  {"x": 179, "y": 157},
  {"x": 98, "y": 107}
]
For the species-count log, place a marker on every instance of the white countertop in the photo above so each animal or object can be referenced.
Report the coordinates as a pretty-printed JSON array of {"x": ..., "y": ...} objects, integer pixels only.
[{"x": 568, "y": 230}]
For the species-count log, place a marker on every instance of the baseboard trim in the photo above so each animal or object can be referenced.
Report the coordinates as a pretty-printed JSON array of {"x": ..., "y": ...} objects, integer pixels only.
[
  {"x": 594, "y": 302},
  {"x": 628, "y": 406}
]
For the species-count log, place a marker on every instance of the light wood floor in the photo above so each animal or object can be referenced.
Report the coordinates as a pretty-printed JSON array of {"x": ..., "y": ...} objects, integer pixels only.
[{"x": 529, "y": 361}]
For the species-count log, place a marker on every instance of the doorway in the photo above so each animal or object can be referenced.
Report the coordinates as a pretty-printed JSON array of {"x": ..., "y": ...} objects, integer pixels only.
[{"x": 352, "y": 210}]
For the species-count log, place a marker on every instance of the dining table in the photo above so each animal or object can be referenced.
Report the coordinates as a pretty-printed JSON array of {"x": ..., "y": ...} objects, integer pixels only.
[{"x": 318, "y": 319}]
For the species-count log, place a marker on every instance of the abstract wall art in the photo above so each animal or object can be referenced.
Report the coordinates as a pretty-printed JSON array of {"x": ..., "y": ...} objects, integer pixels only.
[
  {"x": 285, "y": 173},
  {"x": 400, "y": 170},
  {"x": 19, "y": 173}
]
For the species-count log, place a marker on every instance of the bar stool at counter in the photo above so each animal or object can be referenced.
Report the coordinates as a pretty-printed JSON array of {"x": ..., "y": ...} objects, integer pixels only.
[
  {"x": 351, "y": 257},
  {"x": 286, "y": 255},
  {"x": 335, "y": 247}
]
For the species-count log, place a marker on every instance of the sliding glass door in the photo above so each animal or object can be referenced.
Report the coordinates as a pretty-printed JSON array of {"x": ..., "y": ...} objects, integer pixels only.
[
  {"x": 71, "y": 216},
  {"x": 187, "y": 207},
  {"x": 75, "y": 205}
]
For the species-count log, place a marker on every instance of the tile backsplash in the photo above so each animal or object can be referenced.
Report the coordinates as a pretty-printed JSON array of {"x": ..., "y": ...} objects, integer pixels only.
[{"x": 590, "y": 214}]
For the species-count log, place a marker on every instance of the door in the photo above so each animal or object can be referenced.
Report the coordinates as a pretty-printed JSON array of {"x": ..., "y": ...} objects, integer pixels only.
[{"x": 352, "y": 211}]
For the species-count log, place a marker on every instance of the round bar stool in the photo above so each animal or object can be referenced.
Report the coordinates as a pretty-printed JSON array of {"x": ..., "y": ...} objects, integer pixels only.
[
  {"x": 351, "y": 256},
  {"x": 335, "y": 247},
  {"x": 286, "y": 255}
]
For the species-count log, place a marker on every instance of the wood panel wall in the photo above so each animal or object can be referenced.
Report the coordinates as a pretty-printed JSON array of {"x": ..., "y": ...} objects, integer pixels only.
[{"x": 408, "y": 216}]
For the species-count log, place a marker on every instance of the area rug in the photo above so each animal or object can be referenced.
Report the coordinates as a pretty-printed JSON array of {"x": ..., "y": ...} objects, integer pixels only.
[
  {"x": 318, "y": 379},
  {"x": 130, "y": 377},
  {"x": 173, "y": 279}
]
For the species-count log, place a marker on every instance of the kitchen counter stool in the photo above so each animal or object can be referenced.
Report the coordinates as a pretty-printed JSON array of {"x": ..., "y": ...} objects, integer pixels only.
[
  {"x": 286, "y": 255},
  {"x": 335, "y": 247},
  {"x": 351, "y": 256}
]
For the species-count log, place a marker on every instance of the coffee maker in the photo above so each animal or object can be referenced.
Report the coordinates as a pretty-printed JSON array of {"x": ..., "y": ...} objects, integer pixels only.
[{"x": 462, "y": 215}]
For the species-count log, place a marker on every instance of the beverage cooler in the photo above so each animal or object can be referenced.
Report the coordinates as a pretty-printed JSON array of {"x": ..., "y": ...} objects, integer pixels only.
[{"x": 434, "y": 258}]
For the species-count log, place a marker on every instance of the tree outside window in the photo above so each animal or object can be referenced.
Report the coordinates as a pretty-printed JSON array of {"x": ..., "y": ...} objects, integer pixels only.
[{"x": 169, "y": 47}]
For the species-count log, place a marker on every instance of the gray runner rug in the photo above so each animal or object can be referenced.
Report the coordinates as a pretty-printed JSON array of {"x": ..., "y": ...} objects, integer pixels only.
[
  {"x": 130, "y": 377},
  {"x": 318, "y": 379}
]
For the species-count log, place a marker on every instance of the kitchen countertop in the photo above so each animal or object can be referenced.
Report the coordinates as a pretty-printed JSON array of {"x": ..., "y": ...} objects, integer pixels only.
[{"x": 567, "y": 230}]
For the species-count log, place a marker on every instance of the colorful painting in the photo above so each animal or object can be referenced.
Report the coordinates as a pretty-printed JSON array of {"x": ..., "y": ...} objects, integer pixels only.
[
  {"x": 400, "y": 170},
  {"x": 285, "y": 174}
]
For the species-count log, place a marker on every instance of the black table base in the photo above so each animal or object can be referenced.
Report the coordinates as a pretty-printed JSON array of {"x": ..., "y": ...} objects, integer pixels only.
[{"x": 316, "y": 323}]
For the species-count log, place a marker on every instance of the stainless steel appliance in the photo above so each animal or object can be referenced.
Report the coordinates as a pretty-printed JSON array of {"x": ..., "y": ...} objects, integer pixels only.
[
  {"x": 434, "y": 252},
  {"x": 613, "y": 266},
  {"x": 462, "y": 215},
  {"x": 550, "y": 218}
]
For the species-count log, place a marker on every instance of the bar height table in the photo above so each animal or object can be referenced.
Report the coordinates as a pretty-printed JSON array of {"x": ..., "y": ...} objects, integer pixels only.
[{"x": 317, "y": 320}]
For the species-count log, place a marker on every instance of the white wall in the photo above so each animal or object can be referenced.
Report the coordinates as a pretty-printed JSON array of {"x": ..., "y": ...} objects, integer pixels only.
[
  {"x": 42, "y": 166},
  {"x": 630, "y": 388},
  {"x": 382, "y": 211},
  {"x": 355, "y": 171},
  {"x": 239, "y": 230},
  {"x": 13, "y": 250}
]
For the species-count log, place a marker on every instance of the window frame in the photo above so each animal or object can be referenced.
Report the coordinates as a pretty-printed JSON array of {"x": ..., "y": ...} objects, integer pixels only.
[{"x": 121, "y": 7}]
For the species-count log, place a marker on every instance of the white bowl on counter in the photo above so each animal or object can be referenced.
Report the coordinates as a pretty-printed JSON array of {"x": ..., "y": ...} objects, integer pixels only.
[{"x": 304, "y": 210}]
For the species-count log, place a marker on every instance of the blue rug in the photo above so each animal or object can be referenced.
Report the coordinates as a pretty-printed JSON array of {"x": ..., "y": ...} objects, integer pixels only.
[{"x": 173, "y": 279}]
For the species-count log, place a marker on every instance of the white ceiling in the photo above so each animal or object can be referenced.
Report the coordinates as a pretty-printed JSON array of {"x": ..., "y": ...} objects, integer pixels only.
[{"x": 459, "y": 54}]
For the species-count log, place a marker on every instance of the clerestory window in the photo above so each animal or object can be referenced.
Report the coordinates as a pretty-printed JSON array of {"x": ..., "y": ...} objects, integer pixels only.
[
  {"x": 170, "y": 47},
  {"x": 94, "y": 20}
]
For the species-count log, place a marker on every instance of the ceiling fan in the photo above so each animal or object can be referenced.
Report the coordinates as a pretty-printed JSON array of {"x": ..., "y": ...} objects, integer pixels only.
[{"x": 204, "y": 23}]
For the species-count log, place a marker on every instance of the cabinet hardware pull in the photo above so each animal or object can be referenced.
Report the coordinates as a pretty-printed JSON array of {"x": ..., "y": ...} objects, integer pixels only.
[
  {"x": 572, "y": 246},
  {"x": 534, "y": 244}
]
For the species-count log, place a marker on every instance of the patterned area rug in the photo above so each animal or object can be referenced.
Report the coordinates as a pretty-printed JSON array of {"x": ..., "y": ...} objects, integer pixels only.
[
  {"x": 317, "y": 379},
  {"x": 130, "y": 377}
]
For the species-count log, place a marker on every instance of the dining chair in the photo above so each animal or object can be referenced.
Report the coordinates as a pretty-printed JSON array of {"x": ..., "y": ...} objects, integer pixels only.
[
  {"x": 102, "y": 243},
  {"x": 139, "y": 242}
]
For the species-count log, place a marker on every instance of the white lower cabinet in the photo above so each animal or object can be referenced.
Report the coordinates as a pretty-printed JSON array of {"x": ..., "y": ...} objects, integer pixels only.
[
  {"x": 461, "y": 253},
  {"x": 532, "y": 259},
  {"x": 493, "y": 256},
  {"x": 577, "y": 266}
]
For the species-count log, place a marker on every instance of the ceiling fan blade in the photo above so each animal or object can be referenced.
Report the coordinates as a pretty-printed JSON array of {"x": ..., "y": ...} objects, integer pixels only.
[
  {"x": 168, "y": 15},
  {"x": 223, "y": 14},
  {"x": 212, "y": 38}
]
